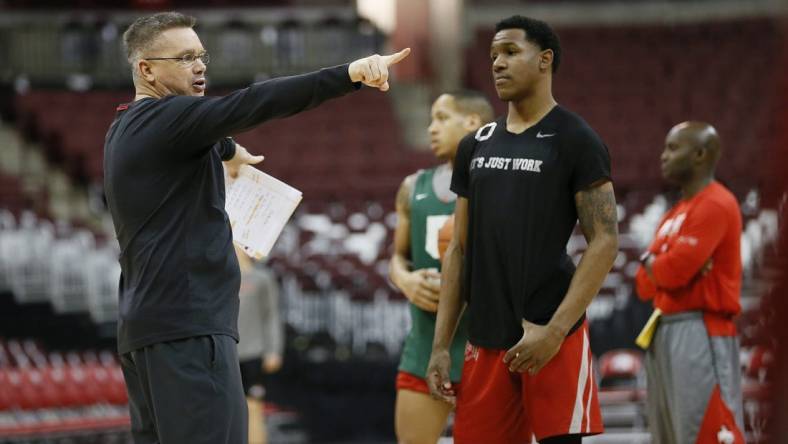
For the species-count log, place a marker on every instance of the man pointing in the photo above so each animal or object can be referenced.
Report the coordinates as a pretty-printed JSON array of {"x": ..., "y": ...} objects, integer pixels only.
[{"x": 177, "y": 327}]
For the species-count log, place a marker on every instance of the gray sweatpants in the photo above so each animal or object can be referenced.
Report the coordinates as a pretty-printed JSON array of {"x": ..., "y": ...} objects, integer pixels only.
[
  {"x": 683, "y": 364},
  {"x": 186, "y": 391}
]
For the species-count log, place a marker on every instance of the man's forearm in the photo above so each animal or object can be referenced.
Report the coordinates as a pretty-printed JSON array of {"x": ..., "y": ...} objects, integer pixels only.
[
  {"x": 210, "y": 118},
  {"x": 586, "y": 282},
  {"x": 670, "y": 273},
  {"x": 451, "y": 306},
  {"x": 398, "y": 268}
]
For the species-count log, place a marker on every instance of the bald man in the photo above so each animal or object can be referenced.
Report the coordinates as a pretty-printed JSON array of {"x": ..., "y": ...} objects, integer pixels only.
[{"x": 692, "y": 273}]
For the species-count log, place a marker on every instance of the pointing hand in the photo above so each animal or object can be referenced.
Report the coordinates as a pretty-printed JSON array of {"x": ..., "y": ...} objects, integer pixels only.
[{"x": 374, "y": 70}]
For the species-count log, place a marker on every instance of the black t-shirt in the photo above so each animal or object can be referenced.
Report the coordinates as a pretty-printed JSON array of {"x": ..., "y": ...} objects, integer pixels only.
[
  {"x": 521, "y": 212},
  {"x": 164, "y": 183}
]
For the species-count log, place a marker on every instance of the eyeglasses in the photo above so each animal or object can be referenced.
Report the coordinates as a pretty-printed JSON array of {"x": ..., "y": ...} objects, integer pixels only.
[{"x": 187, "y": 59}]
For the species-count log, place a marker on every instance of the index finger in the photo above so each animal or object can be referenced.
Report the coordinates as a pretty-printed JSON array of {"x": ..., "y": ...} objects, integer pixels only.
[
  {"x": 427, "y": 304},
  {"x": 395, "y": 58},
  {"x": 432, "y": 287},
  {"x": 441, "y": 390},
  {"x": 430, "y": 272},
  {"x": 434, "y": 383},
  {"x": 513, "y": 352}
]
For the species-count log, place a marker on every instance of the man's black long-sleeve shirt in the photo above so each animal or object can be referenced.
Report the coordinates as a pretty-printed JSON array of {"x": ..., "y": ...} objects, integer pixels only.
[{"x": 164, "y": 184}]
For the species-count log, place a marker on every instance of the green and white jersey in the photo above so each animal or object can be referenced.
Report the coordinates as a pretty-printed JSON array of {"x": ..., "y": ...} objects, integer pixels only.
[{"x": 431, "y": 204}]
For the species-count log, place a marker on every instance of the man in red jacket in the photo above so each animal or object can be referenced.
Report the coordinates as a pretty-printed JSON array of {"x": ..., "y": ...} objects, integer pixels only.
[{"x": 692, "y": 273}]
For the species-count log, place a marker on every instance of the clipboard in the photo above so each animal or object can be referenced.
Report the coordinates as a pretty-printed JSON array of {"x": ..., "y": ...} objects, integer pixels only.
[{"x": 259, "y": 206}]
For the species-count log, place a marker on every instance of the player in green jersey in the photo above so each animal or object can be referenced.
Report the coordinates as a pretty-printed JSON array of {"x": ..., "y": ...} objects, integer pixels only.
[{"x": 424, "y": 203}]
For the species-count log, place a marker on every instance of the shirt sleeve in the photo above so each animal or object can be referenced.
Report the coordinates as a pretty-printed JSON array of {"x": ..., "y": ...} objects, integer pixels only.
[
  {"x": 591, "y": 159},
  {"x": 644, "y": 287},
  {"x": 196, "y": 123},
  {"x": 460, "y": 177},
  {"x": 226, "y": 148},
  {"x": 699, "y": 236}
]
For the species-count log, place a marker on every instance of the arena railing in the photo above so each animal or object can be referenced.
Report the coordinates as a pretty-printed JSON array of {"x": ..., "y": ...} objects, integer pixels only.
[{"x": 84, "y": 52}]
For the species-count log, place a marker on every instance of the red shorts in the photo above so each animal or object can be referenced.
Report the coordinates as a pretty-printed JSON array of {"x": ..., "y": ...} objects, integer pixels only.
[
  {"x": 497, "y": 406},
  {"x": 409, "y": 381}
]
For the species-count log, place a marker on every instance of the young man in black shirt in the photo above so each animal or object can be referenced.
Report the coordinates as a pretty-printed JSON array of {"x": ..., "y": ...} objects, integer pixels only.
[
  {"x": 523, "y": 182},
  {"x": 163, "y": 178}
]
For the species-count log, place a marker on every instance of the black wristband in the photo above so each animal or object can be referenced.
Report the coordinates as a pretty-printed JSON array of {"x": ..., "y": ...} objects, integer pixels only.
[{"x": 227, "y": 151}]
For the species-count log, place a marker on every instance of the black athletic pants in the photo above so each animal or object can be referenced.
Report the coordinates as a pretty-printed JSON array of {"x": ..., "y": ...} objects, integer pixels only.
[{"x": 186, "y": 391}]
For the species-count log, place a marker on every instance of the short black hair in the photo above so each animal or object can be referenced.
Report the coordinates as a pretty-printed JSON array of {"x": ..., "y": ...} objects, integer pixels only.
[
  {"x": 537, "y": 32},
  {"x": 468, "y": 101}
]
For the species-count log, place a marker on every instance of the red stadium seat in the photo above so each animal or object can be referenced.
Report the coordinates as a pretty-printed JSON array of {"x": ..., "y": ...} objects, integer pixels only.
[
  {"x": 633, "y": 101},
  {"x": 620, "y": 368},
  {"x": 7, "y": 393}
]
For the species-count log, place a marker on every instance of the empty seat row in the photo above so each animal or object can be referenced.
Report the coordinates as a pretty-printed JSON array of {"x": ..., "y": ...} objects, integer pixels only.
[
  {"x": 348, "y": 139},
  {"x": 632, "y": 83}
]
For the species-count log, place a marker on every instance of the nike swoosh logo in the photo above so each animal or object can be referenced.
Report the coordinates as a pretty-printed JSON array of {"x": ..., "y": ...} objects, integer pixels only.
[
  {"x": 539, "y": 135},
  {"x": 421, "y": 196}
]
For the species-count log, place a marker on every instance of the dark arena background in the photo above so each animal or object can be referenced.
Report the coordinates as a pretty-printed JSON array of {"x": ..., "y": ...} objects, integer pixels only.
[{"x": 633, "y": 69}]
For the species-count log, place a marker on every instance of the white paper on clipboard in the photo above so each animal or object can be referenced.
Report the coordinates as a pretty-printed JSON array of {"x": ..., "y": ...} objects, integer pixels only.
[{"x": 259, "y": 207}]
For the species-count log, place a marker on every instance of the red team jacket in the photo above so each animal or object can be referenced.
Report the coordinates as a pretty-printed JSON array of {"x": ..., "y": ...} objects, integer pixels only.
[{"x": 708, "y": 225}]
